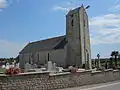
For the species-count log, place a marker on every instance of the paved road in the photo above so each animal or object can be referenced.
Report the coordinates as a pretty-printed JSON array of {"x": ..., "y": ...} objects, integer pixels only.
[{"x": 104, "y": 86}]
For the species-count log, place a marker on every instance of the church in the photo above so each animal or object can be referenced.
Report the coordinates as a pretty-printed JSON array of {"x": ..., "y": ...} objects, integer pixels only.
[{"x": 72, "y": 49}]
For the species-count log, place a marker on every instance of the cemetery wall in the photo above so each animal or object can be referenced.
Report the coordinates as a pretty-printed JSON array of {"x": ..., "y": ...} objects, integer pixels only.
[{"x": 47, "y": 81}]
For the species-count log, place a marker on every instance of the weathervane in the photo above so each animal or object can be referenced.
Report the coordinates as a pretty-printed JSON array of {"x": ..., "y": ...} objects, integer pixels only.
[{"x": 87, "y": 6}]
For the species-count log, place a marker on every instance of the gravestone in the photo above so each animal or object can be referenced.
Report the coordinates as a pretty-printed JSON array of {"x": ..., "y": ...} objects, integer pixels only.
[
  {"x": 13, "y": 64},
  {"x": 59, "y": 69},
  {"x": 49, "y": 66},
  {"x": 3, "y": 66},
  {"x": 54, "y": 67},
  {"x": 34, "y": 66},
  {"x": 7, "y": 66},
  {"x": 17, "y": 65},
  {"x": 28, "y": 66}
]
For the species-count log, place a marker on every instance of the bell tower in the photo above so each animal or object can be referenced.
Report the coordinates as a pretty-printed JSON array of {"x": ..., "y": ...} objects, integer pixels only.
[{"x": 78, "y": 51}]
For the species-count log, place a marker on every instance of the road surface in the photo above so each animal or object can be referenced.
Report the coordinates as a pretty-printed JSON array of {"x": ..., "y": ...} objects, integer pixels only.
[{"x": 104, "y": 86}]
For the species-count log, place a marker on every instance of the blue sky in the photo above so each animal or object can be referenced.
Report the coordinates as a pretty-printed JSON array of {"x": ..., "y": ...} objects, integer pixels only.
[{"x": 23, "y": 21}]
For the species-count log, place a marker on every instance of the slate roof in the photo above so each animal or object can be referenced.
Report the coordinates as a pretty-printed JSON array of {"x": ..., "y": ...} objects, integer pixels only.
[{"x": 44, "y": 45}]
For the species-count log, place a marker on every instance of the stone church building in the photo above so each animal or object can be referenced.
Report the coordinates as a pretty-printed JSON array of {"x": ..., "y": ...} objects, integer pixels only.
[{"x": 70, "y": 49}]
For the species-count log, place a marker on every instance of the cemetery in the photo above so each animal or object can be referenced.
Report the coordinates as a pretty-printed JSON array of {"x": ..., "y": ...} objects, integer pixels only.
[{"x": 51, "y": 77}]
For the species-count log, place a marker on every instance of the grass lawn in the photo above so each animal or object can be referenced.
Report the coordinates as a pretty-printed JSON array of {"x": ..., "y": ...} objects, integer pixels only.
[{"x": 2, "y": 70}]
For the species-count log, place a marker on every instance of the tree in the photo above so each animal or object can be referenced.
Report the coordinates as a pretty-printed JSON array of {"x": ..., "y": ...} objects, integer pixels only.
[
  {"x": 115, "y": 55},
  {"x": 119, "y": 59}
]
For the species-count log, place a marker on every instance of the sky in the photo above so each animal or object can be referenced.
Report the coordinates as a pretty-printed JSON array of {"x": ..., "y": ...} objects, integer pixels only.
[{"x": 24, "y": 21}]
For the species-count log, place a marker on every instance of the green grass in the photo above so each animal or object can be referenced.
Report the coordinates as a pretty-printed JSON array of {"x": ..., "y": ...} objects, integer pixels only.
[{"x": 2, "y": 70}]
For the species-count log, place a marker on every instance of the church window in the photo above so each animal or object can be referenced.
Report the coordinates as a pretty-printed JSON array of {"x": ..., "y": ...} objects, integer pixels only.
[
  {"x": 72, "y": 22},
  {"x": 48, "y": 57},
  {"x": 72, "y": 15},
  {"x": 84, "y": 22}
]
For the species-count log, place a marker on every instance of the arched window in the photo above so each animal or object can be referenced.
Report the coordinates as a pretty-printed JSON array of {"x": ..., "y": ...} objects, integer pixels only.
[
  {"x": 72, "y": 23},
  {"x": 48, "y": 57},
  {"x": 72, "y": 15}
]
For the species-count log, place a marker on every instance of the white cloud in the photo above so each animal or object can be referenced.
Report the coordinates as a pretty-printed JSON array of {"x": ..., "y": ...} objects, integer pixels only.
[
  {"x": 10, "y": 49},
  {"x": 56, "y": 8},
  {"x": 68, "y": 3},
  {"x": 6, "y": 3},
  {"x": 115, "y": 7},
  {"x": 60, "y": 8},
  {"x": 3, "y": 3},
  {"x": 105, "y": 29},
  {"x": 65, "y": 7}
]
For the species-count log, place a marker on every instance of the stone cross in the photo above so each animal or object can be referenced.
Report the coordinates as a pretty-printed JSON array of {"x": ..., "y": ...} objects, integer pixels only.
[
  {"x": 49, "y": 66},
  {"x": 28, "y": 66}
]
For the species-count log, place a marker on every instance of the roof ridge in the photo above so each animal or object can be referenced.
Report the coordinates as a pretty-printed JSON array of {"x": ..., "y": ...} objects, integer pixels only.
[{"x": 47, "y": 39}]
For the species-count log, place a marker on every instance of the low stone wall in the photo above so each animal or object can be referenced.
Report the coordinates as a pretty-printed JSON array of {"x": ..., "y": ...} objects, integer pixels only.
[{"x": 47, "y": 81}]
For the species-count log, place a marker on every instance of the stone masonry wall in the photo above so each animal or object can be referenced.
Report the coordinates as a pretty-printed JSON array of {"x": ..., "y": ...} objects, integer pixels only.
[{"x": 47, "y": 81}]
